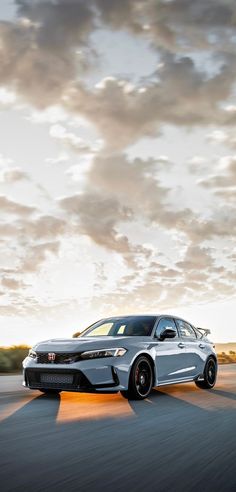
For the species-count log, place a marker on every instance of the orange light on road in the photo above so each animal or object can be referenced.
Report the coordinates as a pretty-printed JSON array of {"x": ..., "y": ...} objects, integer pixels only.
[{"x": 85, "y": 406}]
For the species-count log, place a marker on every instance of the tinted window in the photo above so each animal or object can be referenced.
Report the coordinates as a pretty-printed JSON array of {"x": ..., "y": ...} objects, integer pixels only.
[
  {"x": 165, "y": 323},
  {"x": 121, "y": 330},
  {"x": 103, "y": 329},
  {"x": 128, "y": 326},
  {"x": 185, "y": 329}
]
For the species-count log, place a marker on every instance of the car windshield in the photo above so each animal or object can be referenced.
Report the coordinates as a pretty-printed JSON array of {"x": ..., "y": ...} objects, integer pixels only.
[{"x": 137, "y": 326}]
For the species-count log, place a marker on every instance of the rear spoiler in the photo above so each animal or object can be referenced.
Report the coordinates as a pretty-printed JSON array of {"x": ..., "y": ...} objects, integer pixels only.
[{"x": 204, "y": 332}]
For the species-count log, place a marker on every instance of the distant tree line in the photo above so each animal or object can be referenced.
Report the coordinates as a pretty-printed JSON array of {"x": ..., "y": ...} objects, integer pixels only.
[
  {"x": 224, "y": 358},
  {"x": 11, "y": 358}
]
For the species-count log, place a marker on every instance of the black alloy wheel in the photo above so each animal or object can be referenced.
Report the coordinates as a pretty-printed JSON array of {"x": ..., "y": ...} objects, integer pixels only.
[
  {"x": 209, "y": 376},
  {"x": 141, "y": 380}
]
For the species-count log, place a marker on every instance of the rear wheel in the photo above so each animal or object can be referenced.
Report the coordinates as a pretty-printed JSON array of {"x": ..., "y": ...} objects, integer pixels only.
[
  {"x": 140, "y": 381},
  {"x": 50, "y": 391},
  {"x": 209, "y": 375}
]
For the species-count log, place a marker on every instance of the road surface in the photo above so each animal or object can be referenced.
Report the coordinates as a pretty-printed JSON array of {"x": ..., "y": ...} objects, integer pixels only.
[{"x": 180, "y": 439}]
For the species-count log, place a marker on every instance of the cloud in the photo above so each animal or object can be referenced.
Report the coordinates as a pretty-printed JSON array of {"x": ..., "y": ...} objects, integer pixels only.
[
  {"x": 44, "y": 227},
  {"x": 61, "y": 24},
  {"x": 187, "y": 25},
  {"x": 12, "y": 175},
  {"x": 39, "y": 61},
  {"x": 178, "y": 94},
  {"x": 72, "y": 141},
  {"x": 136, "y": 183},
  {"x": 222, "y": 183},
  {"x": 198, "y": 164},
  {"x": 196, "y": 258},
  {"x": 97, "y": 216},
  {"x": 11, "y": 283},
  {"x": 38, "y": 52},
  {"x": 7, "y": 230},
  {"x": 174, "y": 25},
  {"x": 221, "y": 223},
  {"x": 193, "y": 276},
  {"x": 223, "y": 137},
  {"x": 120, "y": 14},
  {"x": 37, "y": 254},
  {"x": 225, "y": 177},
  {"x": 119, "y": 191},
  {"x": 11, "y": 207},
  {"x": 32, "y": 241},
  {"x": 7, "y": 98}
]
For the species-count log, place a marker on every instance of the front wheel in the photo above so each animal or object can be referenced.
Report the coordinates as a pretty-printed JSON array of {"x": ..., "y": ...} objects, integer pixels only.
[
  {"x": 140, "y": 381},
  {"x": 209, "y": 375}
]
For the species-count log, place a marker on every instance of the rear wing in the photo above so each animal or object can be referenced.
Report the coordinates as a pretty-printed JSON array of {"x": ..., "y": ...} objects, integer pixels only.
[{"x": 204, "y": 332}]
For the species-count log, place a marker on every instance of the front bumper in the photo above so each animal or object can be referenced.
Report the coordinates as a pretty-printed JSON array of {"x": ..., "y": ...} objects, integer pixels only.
[{"x": 98, "y": 375}]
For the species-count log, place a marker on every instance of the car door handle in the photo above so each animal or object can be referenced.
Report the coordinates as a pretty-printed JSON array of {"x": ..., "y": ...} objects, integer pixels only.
[
  {"x": 181, "y": 345},
  {"x": 201, "y": 346}
]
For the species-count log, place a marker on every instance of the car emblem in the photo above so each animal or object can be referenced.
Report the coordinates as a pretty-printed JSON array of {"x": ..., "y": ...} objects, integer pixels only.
[{"x": 51, "y": 357}]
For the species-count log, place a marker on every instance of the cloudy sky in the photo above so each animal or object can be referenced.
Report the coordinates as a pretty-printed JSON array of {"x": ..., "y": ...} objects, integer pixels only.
[{"x": 117, "y": 163}]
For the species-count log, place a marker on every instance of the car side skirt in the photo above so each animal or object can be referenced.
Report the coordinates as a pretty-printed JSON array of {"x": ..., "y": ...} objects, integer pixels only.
[{"x": 177, "y": 381}]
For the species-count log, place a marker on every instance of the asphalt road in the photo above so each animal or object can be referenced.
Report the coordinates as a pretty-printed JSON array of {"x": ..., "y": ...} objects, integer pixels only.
[{"x": 180, "y": 439}]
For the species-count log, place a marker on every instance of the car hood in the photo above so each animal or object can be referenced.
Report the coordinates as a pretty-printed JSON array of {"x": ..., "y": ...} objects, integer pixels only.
[{"x": 84, "y": 343}]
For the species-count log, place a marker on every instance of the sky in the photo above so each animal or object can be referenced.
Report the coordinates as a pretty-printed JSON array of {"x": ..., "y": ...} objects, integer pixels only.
[{"x": 117, "y": 164}]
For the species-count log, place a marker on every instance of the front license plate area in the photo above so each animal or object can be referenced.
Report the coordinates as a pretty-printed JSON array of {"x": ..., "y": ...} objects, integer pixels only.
[{"x": 56, "y": 378}]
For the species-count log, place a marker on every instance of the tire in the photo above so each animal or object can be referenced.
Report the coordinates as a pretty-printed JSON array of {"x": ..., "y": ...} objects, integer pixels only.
[
  {"x": 210, "y": 373},
  {"x": 50, "y": 391},
  {"x": 140, "y": 380}
]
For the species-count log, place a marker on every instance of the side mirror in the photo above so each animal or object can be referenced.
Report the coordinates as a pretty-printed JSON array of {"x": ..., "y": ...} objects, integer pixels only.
[
  {"x": 76, "y": 335},
  {"x": 168, "y": 332}
]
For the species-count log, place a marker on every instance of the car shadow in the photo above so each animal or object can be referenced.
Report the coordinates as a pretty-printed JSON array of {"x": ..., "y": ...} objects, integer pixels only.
[
  {"x": 42, "y": 406},
  {"x": 165, "y": 404},
  {"x": 225, "y": 394}
]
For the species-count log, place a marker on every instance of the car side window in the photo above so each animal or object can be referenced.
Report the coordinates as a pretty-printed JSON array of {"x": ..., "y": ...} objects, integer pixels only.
[
  {"x": 121, "y": 330},
  {"x": 186, "y": 330},
  {"x": 163, "y": 324}
]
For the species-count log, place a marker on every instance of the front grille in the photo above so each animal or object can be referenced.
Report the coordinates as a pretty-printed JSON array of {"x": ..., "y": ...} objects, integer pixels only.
[
  {"x": 60, "y": 358},
  {"x": 37, "y": 379},
  {"x": 56, "y": 378}
]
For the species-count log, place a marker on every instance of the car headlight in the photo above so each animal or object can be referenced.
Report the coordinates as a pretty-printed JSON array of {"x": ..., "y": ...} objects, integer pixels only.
[
  {"x": 99, "y": 354},
  {"x": 32, "y": 354}
]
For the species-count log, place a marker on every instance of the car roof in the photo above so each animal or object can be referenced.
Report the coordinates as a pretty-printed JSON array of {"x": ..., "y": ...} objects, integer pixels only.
[
  {"x": 144, "y": 315},
  {"x": 160, "y": 315}
]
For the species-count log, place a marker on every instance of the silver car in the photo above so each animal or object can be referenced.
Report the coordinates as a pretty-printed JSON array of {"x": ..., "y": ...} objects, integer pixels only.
[{"x": 130, "y": 354}]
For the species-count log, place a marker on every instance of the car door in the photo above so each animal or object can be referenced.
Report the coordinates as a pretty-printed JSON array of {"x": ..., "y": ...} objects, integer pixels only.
[
  {"x": 170, "y": 361},
  {"x": 193, "y": 349}
]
